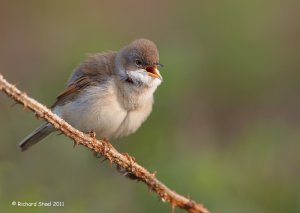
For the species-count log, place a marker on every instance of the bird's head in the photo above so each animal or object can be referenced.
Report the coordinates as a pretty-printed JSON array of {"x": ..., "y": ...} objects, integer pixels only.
[{"x": 138, "y": 63}]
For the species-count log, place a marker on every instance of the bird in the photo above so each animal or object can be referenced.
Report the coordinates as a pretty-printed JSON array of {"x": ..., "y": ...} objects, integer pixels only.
[{"x": 109, "y": 93}]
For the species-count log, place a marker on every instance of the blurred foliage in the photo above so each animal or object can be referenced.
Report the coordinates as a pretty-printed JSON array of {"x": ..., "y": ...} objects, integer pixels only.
[{"x": 225, "y": 125}]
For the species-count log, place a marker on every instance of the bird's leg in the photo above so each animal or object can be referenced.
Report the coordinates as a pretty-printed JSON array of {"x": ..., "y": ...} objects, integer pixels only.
[
  {"x": 106, "y": 148},
  {"x": 130, "y": 159},
  {"x": 92, "y": 134},
  {"x": 106, "y": 144}
]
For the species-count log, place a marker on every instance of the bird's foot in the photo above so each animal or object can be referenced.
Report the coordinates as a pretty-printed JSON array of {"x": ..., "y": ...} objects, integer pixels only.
[
  {"x": 106, "y": 146},
  {"x": 130, "y": 159},
  {"x": 92, "y": 134}
]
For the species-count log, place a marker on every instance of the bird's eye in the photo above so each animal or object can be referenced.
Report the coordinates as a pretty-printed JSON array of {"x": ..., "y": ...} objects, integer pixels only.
[{"x": 138, "y": 62}]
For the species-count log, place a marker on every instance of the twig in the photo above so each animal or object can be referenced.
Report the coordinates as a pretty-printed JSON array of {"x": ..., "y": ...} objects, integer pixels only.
[{"x": 104, "y": 148}]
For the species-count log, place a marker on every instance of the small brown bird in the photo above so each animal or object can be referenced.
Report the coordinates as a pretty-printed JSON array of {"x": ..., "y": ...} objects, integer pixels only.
[{"x": 110, "y": 93}]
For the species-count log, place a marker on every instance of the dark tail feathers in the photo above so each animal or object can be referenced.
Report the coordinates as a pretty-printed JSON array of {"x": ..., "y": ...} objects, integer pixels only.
[{"x": 37, "y": 135}]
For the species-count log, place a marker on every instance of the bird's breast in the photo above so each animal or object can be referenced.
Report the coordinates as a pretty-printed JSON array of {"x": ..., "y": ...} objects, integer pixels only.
[{"x": 99, "y": 109}]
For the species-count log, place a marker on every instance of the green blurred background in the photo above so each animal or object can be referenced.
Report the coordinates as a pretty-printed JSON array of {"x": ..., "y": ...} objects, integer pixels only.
[{"x": 226, "y": 120}]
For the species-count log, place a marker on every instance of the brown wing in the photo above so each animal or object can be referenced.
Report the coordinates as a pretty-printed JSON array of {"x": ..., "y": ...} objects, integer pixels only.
[
  {"x": 73, "y": 90},
  {"x": 96, "y": 68}
]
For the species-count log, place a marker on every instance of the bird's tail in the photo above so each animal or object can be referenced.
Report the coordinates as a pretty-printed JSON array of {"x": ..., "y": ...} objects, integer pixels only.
[{"x": 37, "y": 135}]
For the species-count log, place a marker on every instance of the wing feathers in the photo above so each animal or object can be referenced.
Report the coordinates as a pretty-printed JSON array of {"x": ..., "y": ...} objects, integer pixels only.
[{"x": 97, "y": 68}]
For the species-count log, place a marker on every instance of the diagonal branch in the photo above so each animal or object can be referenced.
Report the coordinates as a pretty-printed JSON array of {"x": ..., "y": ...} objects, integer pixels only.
[{"x": 104, "y": 148}]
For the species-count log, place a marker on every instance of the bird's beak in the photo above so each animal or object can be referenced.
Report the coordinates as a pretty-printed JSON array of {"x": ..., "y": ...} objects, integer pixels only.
[
  {"x": 153, "y": 72},
  {"x": 160, "y": 65}
]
